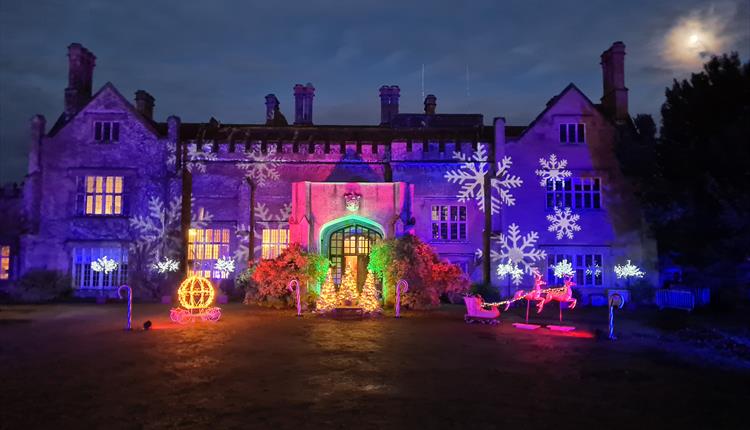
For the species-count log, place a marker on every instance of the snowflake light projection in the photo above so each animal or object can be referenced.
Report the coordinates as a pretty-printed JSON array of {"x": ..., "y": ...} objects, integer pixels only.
[
  {"x": 512, "y": 270},
  {"x": 166, "y": 265},
  {"x": 158, "y": 233},
  {"x": 563, "y": 268},
  {"x": 224, "y": 265},
  {"x": 104, "y": 264},
  {"x": 564, "y": 223},
  {"x": 197, "y": 157},
  {"x": 263, "y": 219},
  {"x": 628, "y": 271},
  {"x": 552, "y": 170},
  {"x": 471, "y": 178},
  {"x": 260, "y": 168},
  {"x": 517, "y": 249}
]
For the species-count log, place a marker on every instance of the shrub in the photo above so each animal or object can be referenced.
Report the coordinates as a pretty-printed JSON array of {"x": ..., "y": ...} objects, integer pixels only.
[
  {"x": 411, "y": 259},
  {"x": 41, "y": 285},
  {"x": 267, "y": 282},
  {"x": 487, "y": 291}
]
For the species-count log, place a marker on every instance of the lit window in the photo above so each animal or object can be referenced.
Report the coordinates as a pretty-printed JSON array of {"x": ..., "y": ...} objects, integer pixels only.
[
  {"x": 275, "y": 241},
  {"x": 205, "y": 246},
  {"x": 4, "y": 262},
  {"x": 106, "y": 131},
  {"x": 84, "y": 277},
  {"x": 575, "y": 193},
  {"x": 573, "y": 133},
  {"x": 449, "y": 222},
  {"x": 101, "y": 195},
  {"x": 588, "y": 269}
]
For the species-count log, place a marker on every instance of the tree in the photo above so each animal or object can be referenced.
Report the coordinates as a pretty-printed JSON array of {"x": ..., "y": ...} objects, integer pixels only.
[
  {"x": 693, "y": 180},
  {"x": 271, "y": 277},
  {"x": 429, "y": 278},
  {"x": 348, "y": 294},
  {"x": 369, "y": 300},
  {"x": 327, "y": 300}
]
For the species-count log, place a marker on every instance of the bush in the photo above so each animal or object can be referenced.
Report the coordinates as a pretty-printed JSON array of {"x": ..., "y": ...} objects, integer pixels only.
[
  {"x": 41, "y": 285},
  {"x": 267, "y": 282},
  {"x": 487, "y": 291},
  {"x": 411, "y": 259}
]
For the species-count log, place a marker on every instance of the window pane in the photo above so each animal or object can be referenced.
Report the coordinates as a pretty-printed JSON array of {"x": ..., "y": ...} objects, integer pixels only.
[
  {"x": 581, "y": 133},
  {"x": 572, "y": 133},
  {"x": 443, "y": 213},
  {"x": 454, "y": 231},
  {"x": 99, "y": 184},
  {"x": 90, "y": 184},
  {"x": 462, "y": 231},
  {"x": 436, "y": 213},
  {"x": 106, "y": 131},
  {"x": 563, "y": 134},
  {"x": 108, "y": 204},
  {"x": 444, "y": 231},
  {"x": 454, "y": 213},
  {"x": 98, "y": 130},
  {"x": 98, "y": 204},
  {"x": 116, "y": 131},
  {"x": 435, "y": 231},
  {"x": 118, "y": 205},
  {"x": 462, "y": 213}
]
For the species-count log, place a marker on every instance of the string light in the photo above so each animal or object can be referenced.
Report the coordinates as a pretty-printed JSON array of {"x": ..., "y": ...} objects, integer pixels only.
[
  {"x": 224, "y": 265},
  {"x": 628, "y": 271},
  {"x": 563, "y": 268},
  {"x": 166, "y": 265},
  {"x": 196, "y": 295},
  {"x": 104, "y": 264},
  {"x": 368, "y": 300}
]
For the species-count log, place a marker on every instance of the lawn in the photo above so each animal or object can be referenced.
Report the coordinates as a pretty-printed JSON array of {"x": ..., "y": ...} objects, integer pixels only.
[{"x": 72, "y": 366}]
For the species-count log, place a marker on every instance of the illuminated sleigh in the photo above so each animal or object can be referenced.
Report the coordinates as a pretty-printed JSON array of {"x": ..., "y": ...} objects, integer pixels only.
[
  {"x": 196, "y": 295},
  {"x": 475, "y": 313}
]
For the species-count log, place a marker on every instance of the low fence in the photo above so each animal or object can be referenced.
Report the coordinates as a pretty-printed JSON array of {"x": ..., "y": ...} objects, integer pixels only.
[{"x": 683, "y": 299}]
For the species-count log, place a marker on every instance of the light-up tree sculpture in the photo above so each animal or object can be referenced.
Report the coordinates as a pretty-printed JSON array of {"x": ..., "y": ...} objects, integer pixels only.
[
  {"x": 511, "y": 271},
  {"x": 628, "y": 271},
  {"x": 327, "y": 299},
  {"x": 369, "y": 300},
  {"x": 348, "y": 293}
]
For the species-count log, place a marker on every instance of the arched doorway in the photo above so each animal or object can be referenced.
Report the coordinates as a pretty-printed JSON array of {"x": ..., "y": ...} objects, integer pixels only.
[{"x": 351, "y": 245}]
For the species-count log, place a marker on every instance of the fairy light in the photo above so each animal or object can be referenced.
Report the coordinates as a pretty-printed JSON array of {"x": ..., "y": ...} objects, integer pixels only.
[
  {"x": 554, "y": 290},
  {"x": 166, "y": 265},
  {"x": 224, "y": 265},
  {"x": 196, "y": 295},
  {"x": 628, "y": 270},
  {"x": 563, "y": 268},
  {"x": 594, "y": 270},
  {"x": 104, "y": 264}
]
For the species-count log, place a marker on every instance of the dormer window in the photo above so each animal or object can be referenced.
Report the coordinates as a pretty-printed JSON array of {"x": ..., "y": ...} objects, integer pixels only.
[
  {"x": 573, "y": 133},
  {"x": 106, "y": 131}
]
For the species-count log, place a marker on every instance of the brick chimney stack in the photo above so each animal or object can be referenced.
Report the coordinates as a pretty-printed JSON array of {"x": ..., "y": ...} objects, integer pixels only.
[
  {"x": 303, "y": 104},
  {"x": 430, "y": 103},
  {"x": 81, "y": 63},
  {"x": 389, "y": 96},
  {"x": 144, "y": 103},
  {"x": 615, "y": 95}
]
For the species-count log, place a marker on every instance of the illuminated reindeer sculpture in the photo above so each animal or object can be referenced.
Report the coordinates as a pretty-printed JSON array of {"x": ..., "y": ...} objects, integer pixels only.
[
  {"x": 562, "y": 294},
  {"x": 533, "y": 295}
]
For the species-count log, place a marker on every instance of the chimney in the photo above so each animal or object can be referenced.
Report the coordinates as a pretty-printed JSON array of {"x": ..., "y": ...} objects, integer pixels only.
[
  {"x": 615, "y": 96},
  {"x": 430, "y": 103},
  {"x": 81, "y": 64},
  {"x": 144, "y": 102},
  {"x": 389, "y": 96},
  {"x": 303, "y": 104},
  {"x": 272, "y": 105}
]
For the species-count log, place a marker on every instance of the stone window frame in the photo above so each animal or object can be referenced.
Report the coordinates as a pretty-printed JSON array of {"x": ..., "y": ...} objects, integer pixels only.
[
  {"x": 272, "y": 246},
  {"x": 84, "y": 278},
  {"x": 448, "y": 225},
  {"x": 110, "y": 128},
  {"x": 579, "y": 128},
  {"x": 563, "y": 194},
  {"x": 87, "y": 194},
  {"x": 199, "y": 242},
  {"x": 5, "y": 267}
]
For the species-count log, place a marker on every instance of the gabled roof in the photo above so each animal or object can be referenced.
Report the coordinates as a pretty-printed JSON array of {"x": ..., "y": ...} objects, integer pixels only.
[
  {"x": 571, "y": 87},
  {"x": 62, "y": 120}
]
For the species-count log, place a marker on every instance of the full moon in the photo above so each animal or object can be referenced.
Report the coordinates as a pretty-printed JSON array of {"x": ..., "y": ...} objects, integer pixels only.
[{"x": 691, "y": 42}]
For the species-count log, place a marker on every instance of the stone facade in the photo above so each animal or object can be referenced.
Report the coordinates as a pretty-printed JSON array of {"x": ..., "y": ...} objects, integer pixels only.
[{"x": 107, "y": 178}]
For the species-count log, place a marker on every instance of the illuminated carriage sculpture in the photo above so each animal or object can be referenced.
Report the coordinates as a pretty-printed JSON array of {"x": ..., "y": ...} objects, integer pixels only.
[{"x": 196, "y": 295}]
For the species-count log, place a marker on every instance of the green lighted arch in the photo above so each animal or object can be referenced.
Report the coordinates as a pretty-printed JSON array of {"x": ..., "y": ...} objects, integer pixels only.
[{"x": 342, "y": 222}]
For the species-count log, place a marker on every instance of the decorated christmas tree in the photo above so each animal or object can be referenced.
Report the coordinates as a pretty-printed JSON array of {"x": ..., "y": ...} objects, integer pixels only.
[
  {"x": 369, "y": 300},
  {"x": 327, "y": 298},
  {"x": 348, "y": 293}
]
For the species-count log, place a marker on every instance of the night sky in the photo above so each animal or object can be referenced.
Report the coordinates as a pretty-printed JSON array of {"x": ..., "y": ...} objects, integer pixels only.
[{"x": 221, "y": 58}]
